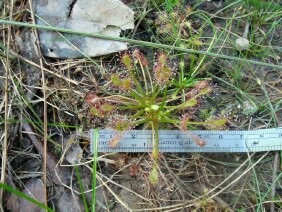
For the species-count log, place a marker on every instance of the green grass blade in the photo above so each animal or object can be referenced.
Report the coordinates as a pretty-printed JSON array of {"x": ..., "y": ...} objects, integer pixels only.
[
  {"x": 81, "y": 188},
  {"x": 95, "y": 159},
  {"x": 24, "y": 196},
  {"x": 139, "y": 42}
]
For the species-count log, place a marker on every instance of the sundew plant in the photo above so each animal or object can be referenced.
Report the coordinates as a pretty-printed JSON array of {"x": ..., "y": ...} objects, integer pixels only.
[{"x": 143, "y": 94}]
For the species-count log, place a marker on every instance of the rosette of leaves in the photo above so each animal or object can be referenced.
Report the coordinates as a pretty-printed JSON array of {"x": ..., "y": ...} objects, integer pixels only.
[{"x": 142, "y": 95}]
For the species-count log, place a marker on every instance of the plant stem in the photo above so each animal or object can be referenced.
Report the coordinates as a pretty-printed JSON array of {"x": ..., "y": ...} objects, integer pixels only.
[{"x": 155, "y": 130}]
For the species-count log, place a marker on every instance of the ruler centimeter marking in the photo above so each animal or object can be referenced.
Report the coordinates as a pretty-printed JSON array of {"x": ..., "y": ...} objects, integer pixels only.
[{"x": 177, "y": 141}]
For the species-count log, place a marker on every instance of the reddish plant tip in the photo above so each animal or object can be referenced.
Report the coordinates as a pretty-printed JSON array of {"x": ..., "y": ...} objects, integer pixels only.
[
  {"x": 201, "y": 88},
  {"x": 98, "y": 107},
  {"x": 185, "y": 118},
  {"x": 140, "y": 57},
  {"x": 91, "y": 98},
  {"x": 125, "y": 84},
  {"x": 201, "y": 85},
  {"x": 162, "y": 74},
  {"x": 162, "y": 71},
  {"x": 199, "y": 141},
  {"x": 133, "y": 170},
  {"x": 114, "y": 141},
  {"x": 121, "y": 123}
]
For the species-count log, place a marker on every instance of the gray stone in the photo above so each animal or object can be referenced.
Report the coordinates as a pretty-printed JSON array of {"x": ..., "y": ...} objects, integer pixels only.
[
  {"x": 74, "y": 154},
  {"x": 107, "y": 17}
]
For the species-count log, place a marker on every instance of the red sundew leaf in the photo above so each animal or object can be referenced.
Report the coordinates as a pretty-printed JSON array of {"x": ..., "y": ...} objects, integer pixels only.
[
  {"x": 162, "y": 74},
  {"x": 183, "y": 127},
  {"x": 133, "y": 170},
  {"x": 140, "y": 57},
  {"x": 217, "y": 124},
  {"x": 162, "y": 59},
  {"x": 201, "y": 88},
  {"x": 127, "y": 84},
  {"x": 201, "y": 85},
  {"x": 205, "y": 91},
  {"x": 189, "y": 103},
  {"x": 183, "y": 124},
  {"x": 108, "y": 107},
  {"x": 158, "y": 67},
  {"x": 220, "y": 122},
  {"x": 191, "y": 93},
  {"x": 114, "y": 141},
  {"x": 121, "y": 123},
  {"x": 91, "y": 98},
  {"x": 96, "y": 112},
  {"x": 199, "y": 141},
  {"x": 116, "y": 80}
]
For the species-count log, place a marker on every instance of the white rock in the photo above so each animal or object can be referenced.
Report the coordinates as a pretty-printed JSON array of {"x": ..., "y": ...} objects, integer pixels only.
[
  {"x": 242, "y": 44},
  {"x": 107, "y": 17}
]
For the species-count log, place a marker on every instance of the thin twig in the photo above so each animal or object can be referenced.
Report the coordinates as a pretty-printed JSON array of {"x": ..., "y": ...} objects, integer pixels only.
[
  {"x": 45, "y": 138},
  {"x": 275, "y": 167},
  {"x": 5, "y": 141},
  {"x": 45, "y": 134}
]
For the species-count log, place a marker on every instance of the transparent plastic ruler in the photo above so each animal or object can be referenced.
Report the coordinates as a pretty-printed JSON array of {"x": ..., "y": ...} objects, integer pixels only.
[{"x": 177, "y": 141}]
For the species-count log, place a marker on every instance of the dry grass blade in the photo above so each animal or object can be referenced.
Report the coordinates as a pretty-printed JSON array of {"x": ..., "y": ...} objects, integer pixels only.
[
  {"x": 6, "y": 134},
  {"x": 275, "y": 167},
  {"x": 45, "y": 138}
]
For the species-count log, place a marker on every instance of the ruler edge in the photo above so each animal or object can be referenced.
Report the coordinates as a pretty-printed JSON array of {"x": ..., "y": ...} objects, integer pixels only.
[{"x": 195, "y": 132}]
